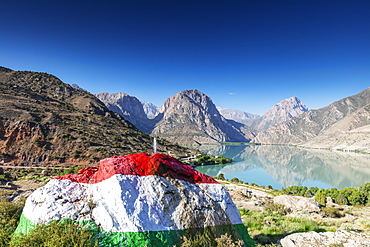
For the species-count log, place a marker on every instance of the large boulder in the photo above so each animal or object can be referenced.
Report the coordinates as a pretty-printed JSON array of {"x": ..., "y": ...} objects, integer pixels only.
[
  {"x": 314, "y": 239},
  {"x": 298, "y": 203},
  {"x": 137, "y": 200}
]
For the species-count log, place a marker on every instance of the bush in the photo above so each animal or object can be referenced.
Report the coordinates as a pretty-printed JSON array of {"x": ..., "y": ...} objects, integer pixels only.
[
  {"x": 357, "y": 198},
  {"x": 221, "y": 176},
  {"x": 57, "y": 233},
  {"x": 331, "y": 212},
  {"x": 9, "y": 218},
  {"x": 341, "y": 199},
  {"x": 277, "y": 208},
  {"x": 320, "y": 197}
]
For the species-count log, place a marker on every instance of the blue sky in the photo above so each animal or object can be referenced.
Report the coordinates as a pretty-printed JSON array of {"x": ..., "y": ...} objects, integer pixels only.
[{"x": 246, "y": 55}]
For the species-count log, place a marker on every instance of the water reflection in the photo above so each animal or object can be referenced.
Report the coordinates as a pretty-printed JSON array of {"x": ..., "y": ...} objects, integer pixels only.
[{"x": 283, "y": 166}]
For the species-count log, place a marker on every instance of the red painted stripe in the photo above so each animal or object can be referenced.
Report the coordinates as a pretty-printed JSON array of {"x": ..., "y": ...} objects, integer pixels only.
[{"x": 141, "y": 164}]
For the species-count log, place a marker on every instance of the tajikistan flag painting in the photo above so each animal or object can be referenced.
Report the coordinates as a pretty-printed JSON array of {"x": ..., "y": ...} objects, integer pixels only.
[{"x": 137, "y": 200}]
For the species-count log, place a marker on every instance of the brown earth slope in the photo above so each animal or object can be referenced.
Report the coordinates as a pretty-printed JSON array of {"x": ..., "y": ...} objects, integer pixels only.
[{"x": 45, "y": 121}]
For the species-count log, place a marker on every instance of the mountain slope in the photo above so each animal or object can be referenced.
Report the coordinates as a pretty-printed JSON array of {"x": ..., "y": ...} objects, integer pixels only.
[
  {"x": 129, "y": 107},
  {"x": 310, "y": 124},
  {"x": 45, "y": 121},
  {"x": 280, "y": 112},
  {"x": 350, "y": 133},
  {"x": 237, "y": 115},
  {"x": 190, "y": 117}
]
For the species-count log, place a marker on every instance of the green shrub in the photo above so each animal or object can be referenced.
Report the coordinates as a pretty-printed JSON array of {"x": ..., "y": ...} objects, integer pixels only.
[
  {"x": 221, "y": 176},
  {"x": 277, "y": 208},
  {"x": 320, "y": 197},
  {"x": 341, "y": 199},
  {"x": 57, "y": 233},
  {"x": 9, "y": 218},
  {"x": 332, "y": 212}
]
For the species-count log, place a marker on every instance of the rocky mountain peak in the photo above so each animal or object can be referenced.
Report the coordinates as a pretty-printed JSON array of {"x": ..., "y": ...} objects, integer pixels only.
[
  {"x": 192, "y": 97},
  {"x": 190, "y": 117},
  {"x": 280, "y": 112},
  {"x": 313, "y": 123},
  {"x": 129, "y": 107},
  {"x": 286, "y": 109},
  {"x": 150, "y": 109}
]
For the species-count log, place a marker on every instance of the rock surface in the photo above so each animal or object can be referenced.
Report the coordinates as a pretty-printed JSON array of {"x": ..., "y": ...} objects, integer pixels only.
[
  {"x": 139, "y": 199},
  {"x": 298, "y": 203},
  {"x": 314, "y": 239}
]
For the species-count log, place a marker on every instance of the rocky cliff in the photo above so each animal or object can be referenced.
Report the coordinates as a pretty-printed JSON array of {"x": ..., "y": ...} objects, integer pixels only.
[
  {"x": 237, "y": 115},
  {"x": 137, "y": 200},
  {"x": 43, "y": 120},
  {"x": 150, "y": 109},
  {"x": 190, "y": 117},
  {"x": 129, "y": 107},
  {"x": 310, "y": 124},
  {"x": 282, "y": 111}
]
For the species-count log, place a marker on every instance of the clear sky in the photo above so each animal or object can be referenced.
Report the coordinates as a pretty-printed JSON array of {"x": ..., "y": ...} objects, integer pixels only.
[{"x": 244, "y": 54}]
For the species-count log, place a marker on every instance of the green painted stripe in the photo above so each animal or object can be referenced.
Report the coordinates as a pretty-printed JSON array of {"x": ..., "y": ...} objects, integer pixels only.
[{"x": 150, "y": 238}]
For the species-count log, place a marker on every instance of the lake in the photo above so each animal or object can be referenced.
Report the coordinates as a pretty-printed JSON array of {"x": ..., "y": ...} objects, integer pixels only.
[{"x": 284, "y": 166}]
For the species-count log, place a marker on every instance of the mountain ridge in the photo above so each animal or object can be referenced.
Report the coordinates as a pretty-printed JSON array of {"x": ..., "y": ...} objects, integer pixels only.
[
  {"x": 312, "y": 123},
  {"x": 45, "y": 121},
  {"x": 280, "y": 112},
  {"x": 190, "y": 117}
]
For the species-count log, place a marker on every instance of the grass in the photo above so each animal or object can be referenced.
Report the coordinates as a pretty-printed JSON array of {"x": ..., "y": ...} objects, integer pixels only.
[{"x": 268, "y": 227}]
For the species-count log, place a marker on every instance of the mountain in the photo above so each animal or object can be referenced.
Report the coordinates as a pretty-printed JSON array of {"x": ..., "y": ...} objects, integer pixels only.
[
  {"x": 237, "y": 115},
  {"x": 150, "y": 109},
  {"x": 44, "y": 121},
  {"x": 129, "y": 107},
  {"x": 350, "y": 133},
  {"x": 306, "y": 126},
  {"x": 190, "y": 117},
  {"x": 75, "y": 86},
  {"x": 282, "y": 111}
]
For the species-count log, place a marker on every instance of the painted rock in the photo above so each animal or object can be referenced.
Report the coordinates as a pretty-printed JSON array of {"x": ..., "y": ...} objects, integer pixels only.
[{"x": 137, "y": 200}]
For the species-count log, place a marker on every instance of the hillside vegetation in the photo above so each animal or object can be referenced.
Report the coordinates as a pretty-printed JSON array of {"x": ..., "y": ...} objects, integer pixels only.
[{"x": 45, "y": 121}]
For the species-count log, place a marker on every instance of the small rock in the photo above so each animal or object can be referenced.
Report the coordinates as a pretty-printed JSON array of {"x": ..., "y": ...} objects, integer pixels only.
[{"x": 338, "y": 238}]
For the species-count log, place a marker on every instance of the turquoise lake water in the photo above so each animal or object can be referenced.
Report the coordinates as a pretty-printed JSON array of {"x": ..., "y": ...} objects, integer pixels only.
[{"x": 283, "y": 166}]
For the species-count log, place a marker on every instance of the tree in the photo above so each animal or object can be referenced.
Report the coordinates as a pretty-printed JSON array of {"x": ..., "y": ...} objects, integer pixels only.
[
  {"x": 320, "y": 197},
  {"x": 357, "y": 198},
  {"x": 341, "y": 199},
  {"x": 366, "y": 189}
]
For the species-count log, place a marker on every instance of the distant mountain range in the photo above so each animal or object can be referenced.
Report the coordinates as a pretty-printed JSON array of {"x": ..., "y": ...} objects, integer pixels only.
[
  {"x": 327, "y": 127},
  {"x": 45, "y": 121},
  {"x": 188, "y": 117},
  {"x": 237, "y": 115}
]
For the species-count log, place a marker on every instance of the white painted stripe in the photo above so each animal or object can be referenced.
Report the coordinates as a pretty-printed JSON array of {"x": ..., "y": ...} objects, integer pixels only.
[{"x": 130, "y": 203}]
